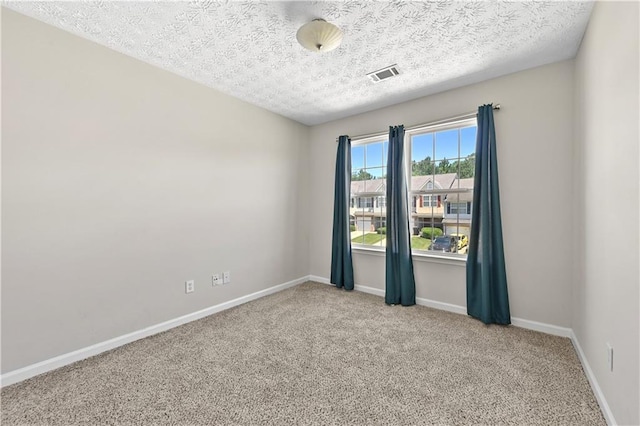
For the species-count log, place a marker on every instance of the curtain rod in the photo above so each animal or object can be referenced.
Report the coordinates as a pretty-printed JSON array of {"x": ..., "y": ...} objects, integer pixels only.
[{"x": 420, "y": 126}]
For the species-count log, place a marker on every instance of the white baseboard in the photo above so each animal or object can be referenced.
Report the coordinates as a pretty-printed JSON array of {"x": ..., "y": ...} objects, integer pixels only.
[
  {"x": 419, "y": 300},
  {"x": 449, "y": 307},
  {"x": 541, "y": 327},
  {"x": 80, "y": 354},
  {"x": 369, "y": 290},
  {"x": 602, "y": 401},
  {"x": 462, "y": 310},
  {"x": 320, "y": 280}
]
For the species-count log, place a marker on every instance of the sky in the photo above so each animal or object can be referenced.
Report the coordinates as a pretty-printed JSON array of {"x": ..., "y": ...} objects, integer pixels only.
[{"x": 373, "y": 157}]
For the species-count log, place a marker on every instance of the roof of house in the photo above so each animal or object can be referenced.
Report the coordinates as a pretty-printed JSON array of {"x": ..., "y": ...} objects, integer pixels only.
[
  {"x": 442, "y": 181},
  {"x": 466, "y": 183},
  {"x": 461, "y": 197},
  {"x": 368, "y": 186}
]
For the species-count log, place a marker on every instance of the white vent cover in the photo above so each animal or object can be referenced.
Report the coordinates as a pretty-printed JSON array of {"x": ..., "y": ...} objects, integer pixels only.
[{"x": 384, "y": 73}]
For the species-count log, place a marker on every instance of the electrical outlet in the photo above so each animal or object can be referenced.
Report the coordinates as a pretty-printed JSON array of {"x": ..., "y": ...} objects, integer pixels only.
[
  {"x": 216, "y": 279},
  {"x": 226, "y": 277},
  {"x": 189, "y": 286},
  {"x": 610, "y": 356}
]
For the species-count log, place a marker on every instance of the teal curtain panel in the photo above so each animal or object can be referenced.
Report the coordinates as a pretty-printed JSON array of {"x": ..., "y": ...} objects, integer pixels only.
[
  {"x": 400, "y": 286},
  {"x": 341, "y": 261},
  {"x": 487, "y": 296}
]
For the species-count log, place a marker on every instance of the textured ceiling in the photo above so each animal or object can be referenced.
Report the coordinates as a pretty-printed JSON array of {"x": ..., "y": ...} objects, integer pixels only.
[{"x": 249, "y": 49}]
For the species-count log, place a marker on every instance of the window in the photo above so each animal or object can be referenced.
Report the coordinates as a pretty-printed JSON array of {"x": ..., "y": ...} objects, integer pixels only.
[
  {"x": 441, "y": 159},
  {"x": 442, "y": 162},
  {"x": 368, "y": 189},
  {"x": 431, "y": 201},
  {"x": 461, "y": 208},
  {"x": 365, "y": 202}
]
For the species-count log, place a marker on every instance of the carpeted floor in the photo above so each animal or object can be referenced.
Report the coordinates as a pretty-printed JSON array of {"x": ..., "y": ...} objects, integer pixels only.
[{"x": 314, "y": 354}]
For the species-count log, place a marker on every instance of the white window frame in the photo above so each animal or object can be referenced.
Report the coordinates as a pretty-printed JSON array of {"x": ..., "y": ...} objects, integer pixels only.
[
  {"x": 371, "y": 195},
  {"x": 439, "y": 127}
]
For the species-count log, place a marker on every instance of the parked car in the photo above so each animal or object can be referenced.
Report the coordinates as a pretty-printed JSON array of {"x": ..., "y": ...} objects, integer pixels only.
[
  {"x": 461, "y": 240},
  {"x": 444, "y": 243}
]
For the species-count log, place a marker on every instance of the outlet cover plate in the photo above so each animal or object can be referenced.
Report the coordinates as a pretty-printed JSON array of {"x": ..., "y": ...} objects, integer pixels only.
[
  {"x": 189, "y": 286},
  {"x": 216, "y": 279},
  {"x": 226, "y": 277}
]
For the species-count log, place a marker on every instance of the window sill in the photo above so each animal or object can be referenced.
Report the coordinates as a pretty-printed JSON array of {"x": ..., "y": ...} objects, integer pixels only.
[
  {"x": 425, "y": 257},
  {"x": 453, "y": 259},
  {"x": 372, "y": 251}
]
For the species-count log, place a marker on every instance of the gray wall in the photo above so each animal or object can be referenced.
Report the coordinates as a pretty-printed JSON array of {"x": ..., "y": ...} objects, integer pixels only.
[
  {"x": 534, "y": 133},
  {"x": 120, "y": 181},
  {"x": 606, "y": 296}
]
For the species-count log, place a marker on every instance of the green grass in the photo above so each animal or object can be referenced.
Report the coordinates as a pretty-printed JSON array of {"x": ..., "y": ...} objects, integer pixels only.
[
  {"x": 420, "y": 243},
  {"x": 368, "y": 239}
]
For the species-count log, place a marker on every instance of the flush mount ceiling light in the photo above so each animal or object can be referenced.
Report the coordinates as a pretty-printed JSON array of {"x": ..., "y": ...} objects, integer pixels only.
[{"x": 319, "y": 36}]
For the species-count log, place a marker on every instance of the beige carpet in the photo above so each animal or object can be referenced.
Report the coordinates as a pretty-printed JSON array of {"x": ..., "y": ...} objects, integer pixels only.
[{"x": 314, "y": 354}]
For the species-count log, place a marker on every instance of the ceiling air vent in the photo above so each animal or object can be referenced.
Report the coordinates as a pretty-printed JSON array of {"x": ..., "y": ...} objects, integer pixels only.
[{"x": 384, "y": 73}]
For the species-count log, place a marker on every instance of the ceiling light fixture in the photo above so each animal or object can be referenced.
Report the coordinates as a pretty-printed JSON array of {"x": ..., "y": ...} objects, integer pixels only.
[{"x": 319, "y": 36}]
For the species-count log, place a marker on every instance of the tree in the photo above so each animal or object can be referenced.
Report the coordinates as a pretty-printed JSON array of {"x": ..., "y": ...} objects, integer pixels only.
[
  {"x": 445, "y": 167},
  {"x": 467, "y": 166},
  {"x": 422, "y": 167},
  {"x": 362, "y": 175}
]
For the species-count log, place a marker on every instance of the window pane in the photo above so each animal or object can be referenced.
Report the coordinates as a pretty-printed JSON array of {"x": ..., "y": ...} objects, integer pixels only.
[
  {"x": 376, "y": 172},
  {"x": 468, "y": 141},
  {"x": 357, "y": 157},
  {"x": 422, "y": 147},
  {"x": 467, "y": 168},
  {"x": 446, "y": 144},
  {"x": 423, "y": 168},
  {"x": 374, "y": 155},
  {"x": 421, "y": 155},
  {"x": 445, "y": 166}
]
